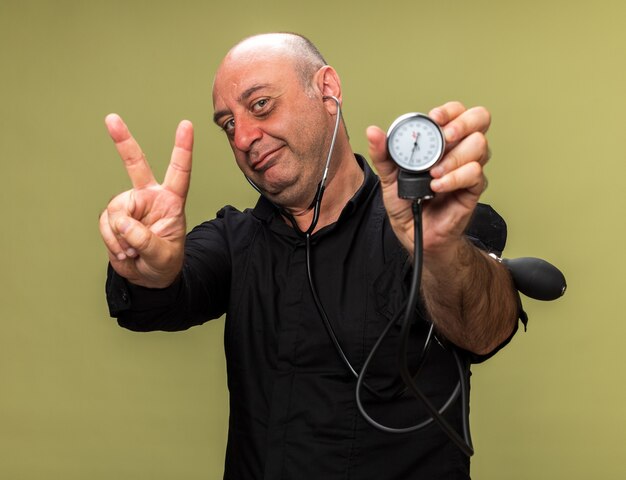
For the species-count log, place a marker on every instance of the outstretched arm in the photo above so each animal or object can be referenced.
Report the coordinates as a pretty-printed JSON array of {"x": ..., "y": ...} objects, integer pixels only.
[{"x": 469, "y": 296}]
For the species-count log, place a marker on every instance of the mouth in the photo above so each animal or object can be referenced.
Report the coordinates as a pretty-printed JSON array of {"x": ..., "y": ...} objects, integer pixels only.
[{"x": 265, "y": 160}]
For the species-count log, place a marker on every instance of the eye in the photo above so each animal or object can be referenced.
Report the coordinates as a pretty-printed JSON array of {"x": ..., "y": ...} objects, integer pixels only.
[
  {"x": 229, "y": 126},
  {"x": 260, "y": 105}
]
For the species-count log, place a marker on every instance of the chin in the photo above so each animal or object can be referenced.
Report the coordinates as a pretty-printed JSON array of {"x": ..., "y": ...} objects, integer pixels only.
[
  {"x": 274, "y": 185},
  {"x": 291, "y": 197},
  {"x": 284, "y": 189}
]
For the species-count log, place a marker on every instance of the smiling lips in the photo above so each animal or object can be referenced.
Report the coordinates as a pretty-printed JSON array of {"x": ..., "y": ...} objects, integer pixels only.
[{"x": 264, "y": 160}]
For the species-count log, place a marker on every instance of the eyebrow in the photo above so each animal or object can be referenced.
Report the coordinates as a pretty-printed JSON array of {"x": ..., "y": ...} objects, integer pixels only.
[{"x": 243, "y": 97}]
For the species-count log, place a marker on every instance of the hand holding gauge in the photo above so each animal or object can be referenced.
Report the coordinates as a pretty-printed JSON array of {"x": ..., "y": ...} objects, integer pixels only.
[
  {"x": 456, "y": 170},
  {"x": 415, "y": 143}
]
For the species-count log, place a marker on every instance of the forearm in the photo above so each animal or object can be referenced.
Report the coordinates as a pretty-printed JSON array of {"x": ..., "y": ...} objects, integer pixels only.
[
  {"x": 186, "y": 303},
  {"x": 143, "y": 309},
  {"x": 470, "y": 297},
  {"x": 200, "y": 293}
]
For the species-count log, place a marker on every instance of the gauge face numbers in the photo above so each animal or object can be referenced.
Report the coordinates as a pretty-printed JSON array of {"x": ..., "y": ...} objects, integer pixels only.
[{"x": 415, "y": 142}]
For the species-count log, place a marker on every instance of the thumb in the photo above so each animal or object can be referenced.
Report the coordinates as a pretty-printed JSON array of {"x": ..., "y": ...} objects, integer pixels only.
[{"x": 377, "y": 142}]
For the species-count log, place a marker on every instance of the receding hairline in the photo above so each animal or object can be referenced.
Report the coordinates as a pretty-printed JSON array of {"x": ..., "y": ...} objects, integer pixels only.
[{"x": 306, "y": 57}]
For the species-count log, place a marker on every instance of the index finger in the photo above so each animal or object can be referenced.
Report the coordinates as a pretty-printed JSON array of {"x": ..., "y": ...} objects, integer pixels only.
[
  {"x": 447, "y": 112},
  {"x": 130, "y": 151},
  {"x": 459, "y": 123}
]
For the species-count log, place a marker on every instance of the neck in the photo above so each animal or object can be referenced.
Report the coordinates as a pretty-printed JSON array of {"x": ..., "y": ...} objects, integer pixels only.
[{"x": 344, "y": 179}]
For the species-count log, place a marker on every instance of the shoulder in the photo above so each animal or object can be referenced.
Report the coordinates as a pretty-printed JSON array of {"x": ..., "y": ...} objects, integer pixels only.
[{"x": 230, "y": 230}]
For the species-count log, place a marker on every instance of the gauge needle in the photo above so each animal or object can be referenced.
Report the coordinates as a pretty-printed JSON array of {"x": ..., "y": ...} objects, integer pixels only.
[{"x": 415, "y": 145}]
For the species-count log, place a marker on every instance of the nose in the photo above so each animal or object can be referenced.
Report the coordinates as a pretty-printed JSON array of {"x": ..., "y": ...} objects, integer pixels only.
[{"x": 246, "y": 133}]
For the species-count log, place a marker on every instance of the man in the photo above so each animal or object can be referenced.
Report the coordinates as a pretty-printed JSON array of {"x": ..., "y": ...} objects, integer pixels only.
[{"x": 292, "y": 408}]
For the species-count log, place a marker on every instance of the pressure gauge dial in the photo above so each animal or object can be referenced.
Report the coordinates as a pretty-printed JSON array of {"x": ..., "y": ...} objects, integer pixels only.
[{"x": 415, "y": 142}]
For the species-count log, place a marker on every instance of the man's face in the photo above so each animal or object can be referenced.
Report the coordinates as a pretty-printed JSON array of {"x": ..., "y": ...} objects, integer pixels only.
[{"x": 279, "y": 131}]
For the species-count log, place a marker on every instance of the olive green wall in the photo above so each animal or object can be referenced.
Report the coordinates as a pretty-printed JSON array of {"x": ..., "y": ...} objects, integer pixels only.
[{"x": 81, "y": 398}]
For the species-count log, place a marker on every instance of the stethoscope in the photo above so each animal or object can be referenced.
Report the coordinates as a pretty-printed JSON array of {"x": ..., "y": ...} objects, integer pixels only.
[
  {"x": 465, "y": 443},
  {"x": 317, "y": 200}
]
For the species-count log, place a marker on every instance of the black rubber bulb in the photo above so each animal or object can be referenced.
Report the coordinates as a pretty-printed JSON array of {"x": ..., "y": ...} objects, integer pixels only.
[{"x": 536, "y": 278}]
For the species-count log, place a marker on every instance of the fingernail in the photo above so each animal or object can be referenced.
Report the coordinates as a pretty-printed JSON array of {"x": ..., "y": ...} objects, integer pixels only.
[
  {"x": 436, "y": 184},
  {"x": 131, "y": 252},
  {"x": 121, "y": 256}
]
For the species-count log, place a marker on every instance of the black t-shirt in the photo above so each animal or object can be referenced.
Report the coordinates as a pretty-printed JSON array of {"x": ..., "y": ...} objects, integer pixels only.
[{"x": 293, "y": 413}]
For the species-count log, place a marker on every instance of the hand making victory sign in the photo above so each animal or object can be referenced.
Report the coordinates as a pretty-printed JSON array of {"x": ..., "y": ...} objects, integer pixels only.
[{"x": 144, "y": 228}]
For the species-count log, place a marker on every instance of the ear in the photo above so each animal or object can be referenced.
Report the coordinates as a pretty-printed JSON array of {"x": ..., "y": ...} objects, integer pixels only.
[{"x": 329, "y": 84}]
